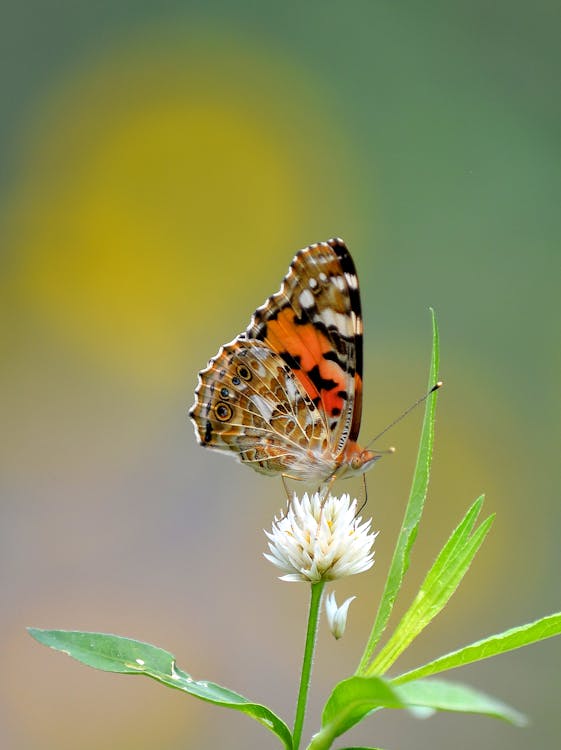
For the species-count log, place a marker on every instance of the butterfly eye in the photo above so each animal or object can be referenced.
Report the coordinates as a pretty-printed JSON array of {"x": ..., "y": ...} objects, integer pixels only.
[
  {"x": 243, "y": 372},
  {"x": 223, "y": 411}
]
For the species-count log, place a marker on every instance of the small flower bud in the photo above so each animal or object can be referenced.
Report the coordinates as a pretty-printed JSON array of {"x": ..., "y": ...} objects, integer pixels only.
[{"x": 337, "y": 616}]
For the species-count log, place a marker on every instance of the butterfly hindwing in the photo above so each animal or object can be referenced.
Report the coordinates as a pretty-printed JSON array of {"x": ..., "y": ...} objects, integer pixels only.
[{"x": 248, "y": 401}]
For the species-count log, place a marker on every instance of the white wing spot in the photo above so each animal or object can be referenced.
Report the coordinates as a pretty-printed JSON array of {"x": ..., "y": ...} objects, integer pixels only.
[
  {"x": 263, "y": 406},
  {"x": 306, "y": 299},
  {"x": 322, "y": 276},
  {"x": 339, "y": 282},
  {"x": 312, "y": 283},
  {"x": 352, "y": 280},
  {"x": 340, "y": 321},
  {"x": 291, "y": 389}
]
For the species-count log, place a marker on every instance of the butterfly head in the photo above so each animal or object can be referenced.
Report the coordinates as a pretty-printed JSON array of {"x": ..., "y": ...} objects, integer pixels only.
[
  {"x": 359, "y": 460},
  {"x": 364, "y": 461}
]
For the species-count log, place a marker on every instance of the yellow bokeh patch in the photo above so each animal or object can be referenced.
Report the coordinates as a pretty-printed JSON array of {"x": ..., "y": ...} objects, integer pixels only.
[{"x": 153, "y": 193}]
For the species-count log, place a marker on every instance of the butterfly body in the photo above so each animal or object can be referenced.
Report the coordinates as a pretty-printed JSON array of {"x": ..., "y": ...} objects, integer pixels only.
[{"x": 285, "y": 396}]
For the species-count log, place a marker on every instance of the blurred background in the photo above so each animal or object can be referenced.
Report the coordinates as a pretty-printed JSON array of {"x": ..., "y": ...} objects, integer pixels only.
[{"x": 160, "y": 164}]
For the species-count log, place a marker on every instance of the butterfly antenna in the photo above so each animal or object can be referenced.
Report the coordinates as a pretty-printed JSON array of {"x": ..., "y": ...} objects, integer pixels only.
[{"x": 404, "y": 414}]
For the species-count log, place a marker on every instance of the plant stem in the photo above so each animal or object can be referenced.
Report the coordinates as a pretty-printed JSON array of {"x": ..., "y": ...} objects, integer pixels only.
[{"x": 315, "y": 602}]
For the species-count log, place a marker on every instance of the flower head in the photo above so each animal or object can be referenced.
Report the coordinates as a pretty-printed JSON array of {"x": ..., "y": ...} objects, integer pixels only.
[
  {"x": 337, "y": 616},
  {"x": 320, "y": 539}
]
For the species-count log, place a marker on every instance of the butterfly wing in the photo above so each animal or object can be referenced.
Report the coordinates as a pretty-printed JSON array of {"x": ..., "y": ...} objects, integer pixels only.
[
  {"x": 314, "y": 323},
  {"x": 248, "y": 401},
  {"x": 286, "y": 395}
]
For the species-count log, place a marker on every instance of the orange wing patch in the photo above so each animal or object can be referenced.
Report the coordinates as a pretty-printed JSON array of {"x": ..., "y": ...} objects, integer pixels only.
[{"x": 304, "y": 347}]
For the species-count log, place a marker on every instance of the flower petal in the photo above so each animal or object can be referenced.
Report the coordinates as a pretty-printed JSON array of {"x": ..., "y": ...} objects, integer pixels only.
[{"x": 320, "y": 538}]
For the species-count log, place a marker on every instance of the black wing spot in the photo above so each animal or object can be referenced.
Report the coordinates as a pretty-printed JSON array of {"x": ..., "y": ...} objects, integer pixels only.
[
  {"x": 322, "y": 384},
  {"x": 354, "y": 298},
  {"x": 304, "y": 318},
  {"x": 243, "y": 371},
  {"x": 343, "y": 254},
  {"x": 208, "y": 432},
  {"x": 332, "y": 356},
  {"x": 292, "y": 360},
  {"x": 223, "y": 411}
]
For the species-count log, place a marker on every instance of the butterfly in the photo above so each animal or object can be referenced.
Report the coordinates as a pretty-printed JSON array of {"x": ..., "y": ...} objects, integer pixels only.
[{"x": 285, "y": 396}]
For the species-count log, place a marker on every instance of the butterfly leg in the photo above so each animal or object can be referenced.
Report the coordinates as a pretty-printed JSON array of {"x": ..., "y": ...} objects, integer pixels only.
[
  {"x": 284, "y": 477},
  {"x": 325, "y": 488}
]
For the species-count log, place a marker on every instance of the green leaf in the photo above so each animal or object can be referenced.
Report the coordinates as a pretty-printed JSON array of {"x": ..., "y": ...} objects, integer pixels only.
[
  {"x": 450, "y": 696},
  {"x": 413, "y": 512},
  {"x": 349, "y": 703},
  {"x": 357, "y": 697},
  {"x": 112, "y": 653},
  {"x": 441, "y": 582},
  {"x": 523, "y": 635}
]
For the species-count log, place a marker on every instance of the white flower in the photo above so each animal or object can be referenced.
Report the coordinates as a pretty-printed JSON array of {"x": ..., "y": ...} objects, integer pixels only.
[
  {"x": 320, "y": 539},
  {"x": 337, "y": 616}
]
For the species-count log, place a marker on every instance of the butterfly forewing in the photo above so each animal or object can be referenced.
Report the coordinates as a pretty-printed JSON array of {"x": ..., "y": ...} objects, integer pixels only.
[{"x": 314, "y": 322}]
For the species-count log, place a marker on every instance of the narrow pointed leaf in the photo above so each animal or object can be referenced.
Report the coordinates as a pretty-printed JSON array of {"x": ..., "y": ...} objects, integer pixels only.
[
  {"x": 440, "y": 583},
  {"x": 454, "y": 546},
  {"x": 449, "y": 696},
  {"x": 112, "y": 653},
  {"x": 523, "y": 635},
  {"x": 413, "y": 512}
]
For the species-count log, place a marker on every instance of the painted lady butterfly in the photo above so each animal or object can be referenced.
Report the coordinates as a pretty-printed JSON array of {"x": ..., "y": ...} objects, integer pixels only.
[{"x": 286, "y": 396}]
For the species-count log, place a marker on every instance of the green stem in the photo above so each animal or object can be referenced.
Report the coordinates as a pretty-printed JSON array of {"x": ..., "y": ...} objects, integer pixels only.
[{"x": 315, "y": 602}]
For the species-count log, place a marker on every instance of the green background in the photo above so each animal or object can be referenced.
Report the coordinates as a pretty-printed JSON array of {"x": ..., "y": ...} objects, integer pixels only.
[{"x": 160, "y": 164}]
